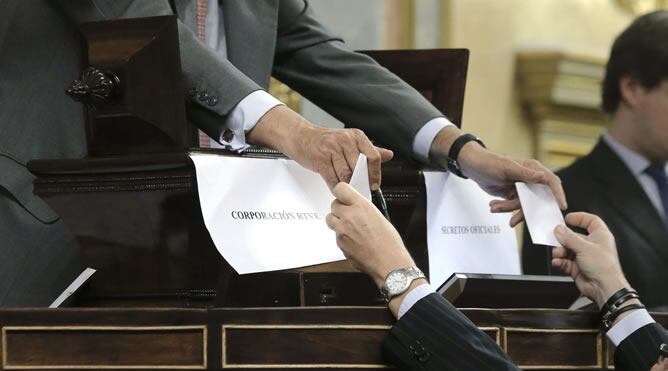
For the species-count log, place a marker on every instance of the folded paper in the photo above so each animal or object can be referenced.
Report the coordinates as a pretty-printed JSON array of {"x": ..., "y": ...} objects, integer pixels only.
[{"x": 541, "y": 212}]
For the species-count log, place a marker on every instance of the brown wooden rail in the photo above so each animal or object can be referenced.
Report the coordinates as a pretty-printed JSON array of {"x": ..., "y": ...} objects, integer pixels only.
[{"x": 272, "y": 338}]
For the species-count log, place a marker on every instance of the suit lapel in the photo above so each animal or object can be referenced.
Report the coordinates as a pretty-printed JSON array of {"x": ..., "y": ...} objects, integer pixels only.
[
  {"x": 250, "y": 31},
  {"x": 626, "y": 195}
]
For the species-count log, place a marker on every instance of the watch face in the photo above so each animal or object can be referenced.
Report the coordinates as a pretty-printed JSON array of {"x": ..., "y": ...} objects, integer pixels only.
[{"x": 396, "y": 282}]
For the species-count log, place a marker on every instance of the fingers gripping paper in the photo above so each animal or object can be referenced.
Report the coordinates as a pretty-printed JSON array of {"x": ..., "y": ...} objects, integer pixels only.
[{"x": 269, "y": 214}]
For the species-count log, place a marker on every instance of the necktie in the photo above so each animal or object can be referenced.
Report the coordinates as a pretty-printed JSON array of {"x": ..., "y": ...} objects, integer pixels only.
[
  {"x": 201, "y": 7},
  {"x": 658, "y": 173}
]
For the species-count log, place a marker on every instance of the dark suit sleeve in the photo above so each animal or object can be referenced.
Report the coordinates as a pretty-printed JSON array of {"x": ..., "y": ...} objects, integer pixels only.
[
  {"x": 434, "y": 335},
  {"x": 640, "y": 350},
  {"x": 350, "y": 86}
]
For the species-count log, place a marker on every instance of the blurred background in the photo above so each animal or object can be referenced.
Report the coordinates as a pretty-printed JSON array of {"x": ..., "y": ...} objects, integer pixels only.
[{"x": 533, "y": 88}]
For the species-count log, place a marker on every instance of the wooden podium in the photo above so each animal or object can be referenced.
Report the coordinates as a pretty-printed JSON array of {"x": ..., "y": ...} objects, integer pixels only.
[
  {"x": 133, "y": 206},
  {"x": 133, "y": 203}
]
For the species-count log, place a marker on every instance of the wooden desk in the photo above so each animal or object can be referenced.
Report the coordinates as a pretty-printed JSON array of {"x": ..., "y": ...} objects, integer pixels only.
[
  {"x": 273, "y": 338},
  {"x": 134, "y": 209}
]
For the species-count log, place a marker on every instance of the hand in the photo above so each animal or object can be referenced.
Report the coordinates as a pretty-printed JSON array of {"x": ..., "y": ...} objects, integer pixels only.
[
  {"x": 366, "y": 238},
  {"x": 661, "y": 365},
  {"x": 496, "y": 174},
  {"x": 332, "y": 153},
  {"x": 591, "y": 260}
]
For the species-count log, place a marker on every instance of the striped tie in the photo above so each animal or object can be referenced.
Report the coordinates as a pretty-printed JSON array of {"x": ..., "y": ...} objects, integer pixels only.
[{"x": 204, "y": 140}]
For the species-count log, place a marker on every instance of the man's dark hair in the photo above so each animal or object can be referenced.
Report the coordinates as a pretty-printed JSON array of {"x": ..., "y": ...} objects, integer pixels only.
[{"x": 641, "y": 52}]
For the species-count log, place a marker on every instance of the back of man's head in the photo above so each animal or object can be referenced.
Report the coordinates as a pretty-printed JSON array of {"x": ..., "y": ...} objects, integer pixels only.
[{"x": 640, "y": 52}]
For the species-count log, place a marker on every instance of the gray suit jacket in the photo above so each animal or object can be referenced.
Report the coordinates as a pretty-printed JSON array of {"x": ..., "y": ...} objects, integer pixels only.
[
  {"x": 283, "y": 39},
  {"x": 40, "y": 56}
]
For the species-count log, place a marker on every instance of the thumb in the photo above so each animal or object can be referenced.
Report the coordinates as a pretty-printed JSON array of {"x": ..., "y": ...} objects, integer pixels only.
[
  {"x": 569, "y": 239},
  {"x": 345, "y": 193}
]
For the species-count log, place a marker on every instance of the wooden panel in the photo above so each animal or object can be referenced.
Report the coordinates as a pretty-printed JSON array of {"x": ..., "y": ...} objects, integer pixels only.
[
  {"x": 250, "y": 338},
  {"x": 302, "y": 346},
  {"x": 438, "y": 74},
  {"x": 555, "y": 349},
  {"x": 334, "y": 289},
  {"x": 609, "y": 354},
  {"x": 494, "y": 333},
  {"x": 148, "y": 115},
  {"x": 84, "y": 347},
  {"x": 139, "y": 224}
]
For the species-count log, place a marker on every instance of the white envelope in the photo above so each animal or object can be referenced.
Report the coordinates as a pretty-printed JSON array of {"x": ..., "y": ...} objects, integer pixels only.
[{"x": 541, "y": 212}]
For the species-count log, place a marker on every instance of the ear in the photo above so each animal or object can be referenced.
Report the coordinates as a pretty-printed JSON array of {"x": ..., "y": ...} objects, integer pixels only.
[{"x": 630, "y": 90}]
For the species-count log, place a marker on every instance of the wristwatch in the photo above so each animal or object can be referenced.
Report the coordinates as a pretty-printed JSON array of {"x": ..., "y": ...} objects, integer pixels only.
[
  {"x": 453, "y": 164},
  {"x": 398, "y": 281}
]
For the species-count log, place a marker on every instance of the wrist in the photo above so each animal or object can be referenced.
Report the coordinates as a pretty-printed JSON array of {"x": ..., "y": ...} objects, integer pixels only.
[
  {"x": 279, "y": 129},
  {"x": 452, "y": 149},
  {"x": 381, "y": 274},
  {"x": 395, "y": 302},
  {"x": 609, "y": 288},
  {"x": 470, "y": 154},
  {"x": 625, "y": 314},
  {"x": 440, "y": 146}
]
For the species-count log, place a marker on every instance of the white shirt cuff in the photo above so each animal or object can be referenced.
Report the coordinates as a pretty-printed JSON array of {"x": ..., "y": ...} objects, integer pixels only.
[
  {"x": 413, "y": 297},
  {"x": 628, "y": 325},
  {"x": 425, "y": 136},
  {"x": 244, "y": 117}
]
